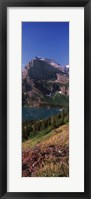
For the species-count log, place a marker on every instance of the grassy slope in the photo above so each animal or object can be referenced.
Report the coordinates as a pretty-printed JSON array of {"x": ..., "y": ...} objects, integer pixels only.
[
  {"x": 58, "y": 99},
  {"x": 61, "y": 99},
  {"x": 47, "y": 153},
  {"x": 56, "y": 136}
]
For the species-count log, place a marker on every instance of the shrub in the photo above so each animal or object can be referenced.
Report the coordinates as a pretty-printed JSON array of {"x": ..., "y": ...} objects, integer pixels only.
[
  {"x": 53, "y": 170},
  {"x": 66, "y": 119}
]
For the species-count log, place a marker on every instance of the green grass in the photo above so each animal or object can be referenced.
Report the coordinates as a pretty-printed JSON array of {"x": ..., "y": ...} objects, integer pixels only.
[
  {"x": 47, "y": 136},
  {"x": 60, "y": 99},
  {"x": 43, "y": 127},
  {"x": 40, "y": 136}
]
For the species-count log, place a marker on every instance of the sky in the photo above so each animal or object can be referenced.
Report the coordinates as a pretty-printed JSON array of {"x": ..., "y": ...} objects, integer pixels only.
[{"x": 45, "y": 39}]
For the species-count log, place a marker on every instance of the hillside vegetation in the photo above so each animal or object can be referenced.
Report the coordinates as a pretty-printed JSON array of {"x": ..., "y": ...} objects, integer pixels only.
[
  {"x": 32, "y": 128},
  {"x": 47, "y": 154},
  {"x": 45, "y": 141}
]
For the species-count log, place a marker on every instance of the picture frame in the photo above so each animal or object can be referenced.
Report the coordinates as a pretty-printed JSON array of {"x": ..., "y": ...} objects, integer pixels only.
[{"x": 4, "y": 4}]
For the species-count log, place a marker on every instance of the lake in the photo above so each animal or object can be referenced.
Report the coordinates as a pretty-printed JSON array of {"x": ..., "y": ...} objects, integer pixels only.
[{"x": 38, "y": 113}]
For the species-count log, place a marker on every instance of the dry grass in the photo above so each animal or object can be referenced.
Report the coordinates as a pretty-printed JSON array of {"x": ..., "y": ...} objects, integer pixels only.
[
  {"x": 56, "y": 137},
  {"x": 52, "y": 170},
  {"x": 47, "y": 155},
  {"x": 59, "y": 136}
]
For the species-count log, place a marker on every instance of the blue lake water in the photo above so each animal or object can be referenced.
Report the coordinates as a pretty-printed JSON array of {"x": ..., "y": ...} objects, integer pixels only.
[{"x": 38, "y": 113}]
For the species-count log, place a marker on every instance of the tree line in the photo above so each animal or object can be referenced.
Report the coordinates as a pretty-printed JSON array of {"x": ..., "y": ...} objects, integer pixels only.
[{"x": 31, "y": 128}]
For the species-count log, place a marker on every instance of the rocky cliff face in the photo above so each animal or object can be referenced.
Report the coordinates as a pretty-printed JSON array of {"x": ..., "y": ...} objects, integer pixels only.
[{"x": 43, "y": 78}]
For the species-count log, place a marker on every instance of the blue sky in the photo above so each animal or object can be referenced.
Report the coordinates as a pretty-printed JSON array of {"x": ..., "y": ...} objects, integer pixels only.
[{"x": 45, "y": 39}]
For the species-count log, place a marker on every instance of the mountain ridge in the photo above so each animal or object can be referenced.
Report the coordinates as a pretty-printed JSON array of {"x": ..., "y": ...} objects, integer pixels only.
[{"x": 42, "y": 78}]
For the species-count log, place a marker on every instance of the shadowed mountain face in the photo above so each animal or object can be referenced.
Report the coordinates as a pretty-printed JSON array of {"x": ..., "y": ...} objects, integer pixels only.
[{"x": 42, "y": 80}]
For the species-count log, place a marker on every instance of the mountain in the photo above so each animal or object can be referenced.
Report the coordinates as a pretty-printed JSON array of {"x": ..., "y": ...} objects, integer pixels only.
[{"x": 44, "y": 80}]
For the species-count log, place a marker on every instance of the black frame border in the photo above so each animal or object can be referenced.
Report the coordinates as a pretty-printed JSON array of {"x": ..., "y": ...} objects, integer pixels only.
[{"x": 3, "y": 96}]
